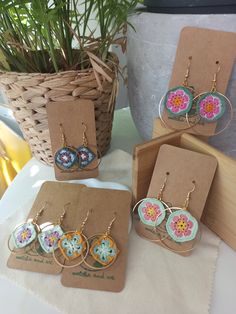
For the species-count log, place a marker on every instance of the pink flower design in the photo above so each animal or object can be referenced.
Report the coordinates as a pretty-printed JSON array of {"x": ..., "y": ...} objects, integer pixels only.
[
  {"x": 181, "y": 225},
  {"x": 177, "y": 101},
  {"x": 210, "y": 107},
  {"x": 151, "y": 211}
]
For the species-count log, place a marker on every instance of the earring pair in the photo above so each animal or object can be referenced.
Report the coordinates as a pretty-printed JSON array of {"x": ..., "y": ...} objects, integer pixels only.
[
  {"x": 101, "y": 248},
  {"x": 27, "y": 233},
  {"x": 180, "y": 225},
  {"x": 70, "y": 159},
  {"x": 181, "y": 101}
]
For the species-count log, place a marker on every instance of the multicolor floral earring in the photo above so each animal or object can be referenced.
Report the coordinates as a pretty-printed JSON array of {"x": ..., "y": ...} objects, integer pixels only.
[
  {"x": 66, "y": 158},
  {"x": 178, "y": 100},
  {"x": 85, "y": 154},
  {"x": 25, "y": 234},
  {"x": 211, "y": 106},
  {"x": 181, "y": 226},
  {"x": 152, "y": 211},
  {"x": 73, "y": 244},
  {"x": 51, "y": 233},
  {"x": 103, "y": 249}
]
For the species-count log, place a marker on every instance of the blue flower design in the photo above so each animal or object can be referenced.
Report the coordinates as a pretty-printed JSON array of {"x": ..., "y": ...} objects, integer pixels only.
[
  {"x": 72, "y": 247},
  {"x": 66, "y": 157},
  {"x": 104, "y": 251}
]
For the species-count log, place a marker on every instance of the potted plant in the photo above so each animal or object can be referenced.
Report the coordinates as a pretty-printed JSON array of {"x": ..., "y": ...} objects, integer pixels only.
[{"x": 49, "y": 51}]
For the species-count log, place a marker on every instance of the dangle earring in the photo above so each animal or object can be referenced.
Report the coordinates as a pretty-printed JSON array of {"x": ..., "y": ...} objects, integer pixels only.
[
  {"x": 66, "y": 158},
  {"x": 103, "y": 249},
  {"x": 51, "y": 233},
  {"x": 85, "y": 154},
  {"x": 25, "y": 234},
  {"x": 73, "y": 244},
  {"x": 181, "y": 226},
  {"x": 178, "y": 100},
  {"x": 152, "y": 211}
]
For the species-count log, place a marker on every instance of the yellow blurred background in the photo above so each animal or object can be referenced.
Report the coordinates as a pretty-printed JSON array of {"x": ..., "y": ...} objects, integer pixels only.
[{"x": 14, "y": 154}]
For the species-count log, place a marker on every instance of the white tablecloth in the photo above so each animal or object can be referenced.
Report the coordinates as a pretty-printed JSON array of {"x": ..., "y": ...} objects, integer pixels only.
[{"x": 23, "y": 187}]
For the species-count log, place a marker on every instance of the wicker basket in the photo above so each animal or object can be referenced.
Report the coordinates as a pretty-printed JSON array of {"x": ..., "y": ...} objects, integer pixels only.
[{"x": 28, "y": 94}]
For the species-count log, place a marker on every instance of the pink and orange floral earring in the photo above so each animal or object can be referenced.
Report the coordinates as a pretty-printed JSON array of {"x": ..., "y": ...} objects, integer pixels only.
[{"x": 181, "y": 226}]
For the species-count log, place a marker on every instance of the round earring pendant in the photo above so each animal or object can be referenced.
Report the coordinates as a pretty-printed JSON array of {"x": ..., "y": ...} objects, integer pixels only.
[
  {"x": 178, "y": 101},
  {"x": 151, "y": 212},
  {"x": 181, "y": 226},
  {"x": 66, "y": 158},
  {"x": 49, "y": 237},
  {"x": 24, "y": 235},
  {"x": 210, "y": 106}
]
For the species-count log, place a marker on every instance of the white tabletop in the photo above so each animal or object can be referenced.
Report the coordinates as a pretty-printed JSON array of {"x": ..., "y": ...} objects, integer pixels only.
[{"x": 25, "y": 187}]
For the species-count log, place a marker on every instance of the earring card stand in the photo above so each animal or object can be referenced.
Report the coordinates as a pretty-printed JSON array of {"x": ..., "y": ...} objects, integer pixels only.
[
  {"x": 71, "y": 115},
  {"x": 205, "y": 46},
  {"x": 57, "y": 195},
  {"x": 219, "y": 213},
  {"x": 104, "y": 203},
  {"x": 184, "y": 167}
]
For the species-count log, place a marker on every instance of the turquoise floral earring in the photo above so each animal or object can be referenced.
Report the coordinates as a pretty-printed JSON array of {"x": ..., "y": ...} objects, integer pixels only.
[
  {"x": 179, "y": 100},
  {"x": 152, "y": 211},
  {"x": 181, "y": 226}
]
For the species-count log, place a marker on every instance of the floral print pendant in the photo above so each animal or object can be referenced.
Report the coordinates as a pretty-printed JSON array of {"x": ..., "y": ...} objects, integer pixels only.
[
  {"x": 210, "y": 106},
  {"x": 24, "y": 235},
  {"x": 151, "y": 212},
  {"x": 72, "y": 245},
  {"x": 66, "y": 158},
  {"x": 86, "y": 156},
  {"x": 49, "y": 238},
  {"x": 104, "y": 250},
  {"x": 178, "y": 101},
  {"x": 181, "y": 226}
]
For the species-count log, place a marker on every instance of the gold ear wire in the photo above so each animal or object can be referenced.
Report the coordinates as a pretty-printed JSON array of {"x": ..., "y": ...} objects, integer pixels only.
[
  {"x": 40, "y": 212},
  {"x": 160, "y": 194},
  {"x": 85, "y": 220},
  {"x": 110, "y": 225},
  {"x": 185, "y": 82},
  {"x": 85, "y": 140},
  {"x": 214, "y": 81},
  {"x": 186, "y": 203},
  {"x": 63, "y": 135},
  {"x": 63, "y": 214}
]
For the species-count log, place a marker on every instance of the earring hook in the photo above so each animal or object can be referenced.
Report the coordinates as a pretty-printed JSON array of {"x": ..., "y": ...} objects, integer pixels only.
[
  {"x": 40, "y": 212},
  {"x": 85, "y": 140},
  {"x": 110, "y": 225},
  {"x": 63, "y": 134},
  {"x": 85, "y": 220},
  {"x": 186, "y": 203},
  {"x": 214, "y": 81},
  {"x": 63, "y": 213},
  {"x": 159, "y": 197},
  {"x": 185, "y": 82}
]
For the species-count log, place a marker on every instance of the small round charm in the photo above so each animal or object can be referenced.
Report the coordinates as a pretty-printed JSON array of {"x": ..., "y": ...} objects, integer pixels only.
[
  {"x": 151, "y": 212},
  {"x": 66, "y": 158},
  {"x": 210, "y": 106},
  {"x": 181, "y": 226},
  {"x": 178, "y": 101}
]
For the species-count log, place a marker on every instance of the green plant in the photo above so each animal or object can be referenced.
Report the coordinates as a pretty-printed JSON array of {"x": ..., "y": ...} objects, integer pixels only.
[{"x": 55, "y": 35}]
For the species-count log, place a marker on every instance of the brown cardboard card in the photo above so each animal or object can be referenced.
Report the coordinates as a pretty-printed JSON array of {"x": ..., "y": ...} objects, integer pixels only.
[
  {"x": 183, "y": 167},
  {"x": 57, "y": 195},
  {"x": 72, "y": 115},
  {"x": 205, "y": 46},
  {"x": 103, "y": 203}
]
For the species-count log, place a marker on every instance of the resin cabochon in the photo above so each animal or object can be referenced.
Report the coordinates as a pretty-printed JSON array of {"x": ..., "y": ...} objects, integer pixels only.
[
  {"x": 222, "y": 106},
  {"x": 86, "y": 156},
  {"x": 104, "y": 250},
  {"x": 26, "y": 226},
  {"x": 72, "y": 245},
  {"x": 171, "y": 233},
  {"x": 186, "y": 93},
  {"x": 141, "y": 214},
  {"x": 44, "y": 235},
  {"x": 66, "y": 150}
]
